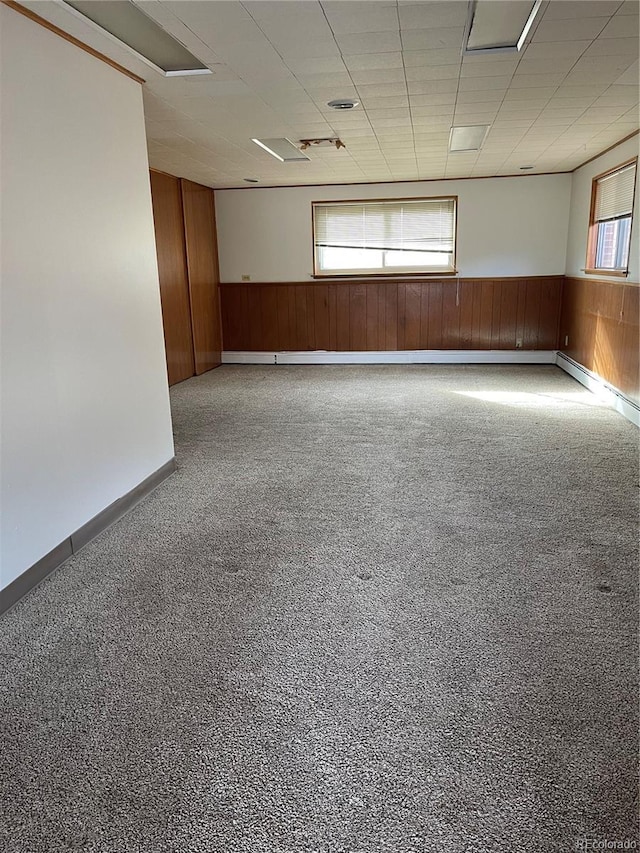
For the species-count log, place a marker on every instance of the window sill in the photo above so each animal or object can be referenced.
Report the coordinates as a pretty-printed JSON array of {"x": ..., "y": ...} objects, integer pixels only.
[
  {"x": 387, "y": 275},
  {"x": 614, "y": 273}
]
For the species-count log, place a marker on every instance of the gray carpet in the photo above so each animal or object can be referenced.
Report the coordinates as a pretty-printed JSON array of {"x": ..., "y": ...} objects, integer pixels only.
[{"x": 376, "y": 609}]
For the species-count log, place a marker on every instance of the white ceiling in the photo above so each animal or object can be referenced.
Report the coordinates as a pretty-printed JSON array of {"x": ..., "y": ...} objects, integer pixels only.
[{"x": 571, "y": 92}]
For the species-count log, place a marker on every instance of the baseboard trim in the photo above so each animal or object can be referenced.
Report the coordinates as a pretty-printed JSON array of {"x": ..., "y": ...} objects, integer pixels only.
[
  {"x": 609, "y": 394},
  {"x": 394, "y": 357},
  {"x": 34, "y": 575}
]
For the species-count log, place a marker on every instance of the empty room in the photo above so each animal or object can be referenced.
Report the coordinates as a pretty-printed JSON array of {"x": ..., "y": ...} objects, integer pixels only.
[{"x": 320, "y": 403}]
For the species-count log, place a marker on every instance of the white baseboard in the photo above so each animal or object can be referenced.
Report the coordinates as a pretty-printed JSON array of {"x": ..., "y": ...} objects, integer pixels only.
[
  {"x": 394, "y": 357},
  {"x": 602, "y": 389}
]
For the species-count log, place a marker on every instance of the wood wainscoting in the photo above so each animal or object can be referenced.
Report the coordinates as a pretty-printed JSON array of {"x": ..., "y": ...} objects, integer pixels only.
[
  {"x": 600, "y": 320},
  {"x": 374, "y": 315}
]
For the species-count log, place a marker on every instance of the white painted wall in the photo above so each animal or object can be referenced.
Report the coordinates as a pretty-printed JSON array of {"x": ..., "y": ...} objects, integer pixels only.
[
  {"x": 506, "y": 226},
  {"x": 85, "y": 406},
  {"x": 580, "y": 206}
]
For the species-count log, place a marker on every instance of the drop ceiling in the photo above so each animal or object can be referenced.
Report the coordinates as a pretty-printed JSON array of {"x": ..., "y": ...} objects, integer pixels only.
[{"x": 570, "y": 93}]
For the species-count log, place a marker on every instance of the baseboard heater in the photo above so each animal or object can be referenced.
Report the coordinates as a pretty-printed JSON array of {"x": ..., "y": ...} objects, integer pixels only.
[
  {"x": 393, "y": 357},
  {"x": 600, "y": 387}
]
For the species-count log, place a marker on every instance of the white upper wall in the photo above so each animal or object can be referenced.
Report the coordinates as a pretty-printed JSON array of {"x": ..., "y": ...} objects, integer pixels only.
[
  {"x": 506, "y": 226},
  {"x": 581, "y": 204},
  {"x": 85, "y": 405}
]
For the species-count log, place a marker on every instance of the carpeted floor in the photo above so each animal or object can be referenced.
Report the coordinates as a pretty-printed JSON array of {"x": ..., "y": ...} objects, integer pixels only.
[{"x": 376, "y": 610}]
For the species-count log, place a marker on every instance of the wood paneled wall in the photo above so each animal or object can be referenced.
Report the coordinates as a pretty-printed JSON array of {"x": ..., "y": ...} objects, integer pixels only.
[
  {"x": 172, "y": 270},
  {"x": 600, "y": 320},
  {"x": 186, "y": 246},
  {"x": 481, "y": 314}
]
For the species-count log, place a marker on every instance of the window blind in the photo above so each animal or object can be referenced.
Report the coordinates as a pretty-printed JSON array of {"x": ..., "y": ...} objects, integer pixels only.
[
  {"x": 614, "y": 194},
  {"x": 426, "y": 225}
]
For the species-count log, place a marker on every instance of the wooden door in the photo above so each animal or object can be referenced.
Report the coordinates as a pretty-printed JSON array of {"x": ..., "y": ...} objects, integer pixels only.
[
  {"x": 202, "y": 266},
  {"x": 172, "y": 269}
]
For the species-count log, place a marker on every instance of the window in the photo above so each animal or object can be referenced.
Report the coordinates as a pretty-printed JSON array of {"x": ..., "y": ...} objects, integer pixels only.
[
  {"x": 610, "y": 222},
  {"x": 395, "y": 237}
]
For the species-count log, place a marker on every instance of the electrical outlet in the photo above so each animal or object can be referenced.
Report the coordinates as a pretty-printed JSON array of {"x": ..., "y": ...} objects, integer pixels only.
[
  {"x": 246, "y": 278},
  {"x": 566, "y": 340},
  {"x": 518, "y": 343}
]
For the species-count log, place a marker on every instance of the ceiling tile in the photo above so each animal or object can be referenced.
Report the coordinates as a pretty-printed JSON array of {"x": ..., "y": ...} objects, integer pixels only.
[
  {"x": 571, "y": 9},
  {"x": 433, "y": 99},
  {"x": 569, "y": 91},
  {"x": 578, "y": 29},
  {"x": 433, "y": 39},
  {"x": 556, "y": 49},
  {"x": 383, "y": 90},
  {"x": 445, "y": 56},
  {"x": 471, "y": 84},
  {"x": 622, "y": 26},
  {"x": 376, "y": 76},
  {"x": 434, "y": 14},
  {"x": 532, "y": 81},
  {"x": 548, "y": 65},
  {"x": 398, "y": 101},
  {"x": 433, "y": 72},
  {"x": 297, "y": 50},
  {"x": 517, "y": 106},
  {"x": 356, "y": 44},
  {"x": 529, "y": 94},
  {"x": 490, "y": 96},
  {"x": 326, "y": 79},
  {"x": 424, "y": 87},
  {"x": 366, "y": 61},
  {"x": 431, "y": 110},
  {"x": 266, "y": 9},
  {"x": 346, "y": 17},
  {"x": 618, "y": 95},
  {"x": 630, "y": 76},
  {"x": 399, "y": 113},
  {"x": 613, "y": 47},
  {"x": 487, "y": 69}
]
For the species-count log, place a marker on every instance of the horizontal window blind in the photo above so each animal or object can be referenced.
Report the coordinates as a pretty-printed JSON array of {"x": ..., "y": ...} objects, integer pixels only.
[
  {"x": 425, "y": 225},
  {"x": 614, "y": 194}
]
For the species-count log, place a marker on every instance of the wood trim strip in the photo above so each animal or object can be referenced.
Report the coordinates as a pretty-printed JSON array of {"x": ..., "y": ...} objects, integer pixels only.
[
  {"x": 34, "y": 575},
  {"x": 22, "y": 10},
  {"x": 606, "y": 151},
  {"x": 617, "y": 279},
  {"x": 396, "y": 278},
  {"x": 406, "y": 181}
]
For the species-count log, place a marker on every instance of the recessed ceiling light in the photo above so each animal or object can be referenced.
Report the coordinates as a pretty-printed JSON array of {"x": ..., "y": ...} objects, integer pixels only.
[
  {"x": 343, "y": 104},
  {"x": 133, "y": 28},
  {"x": 468, "y": 137},
  {"x": 495, "y": 26},
  {"x": 251, "y": 180},
  {"x": 282, "y": 149},
  {"x": 526, "y": 168}
]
